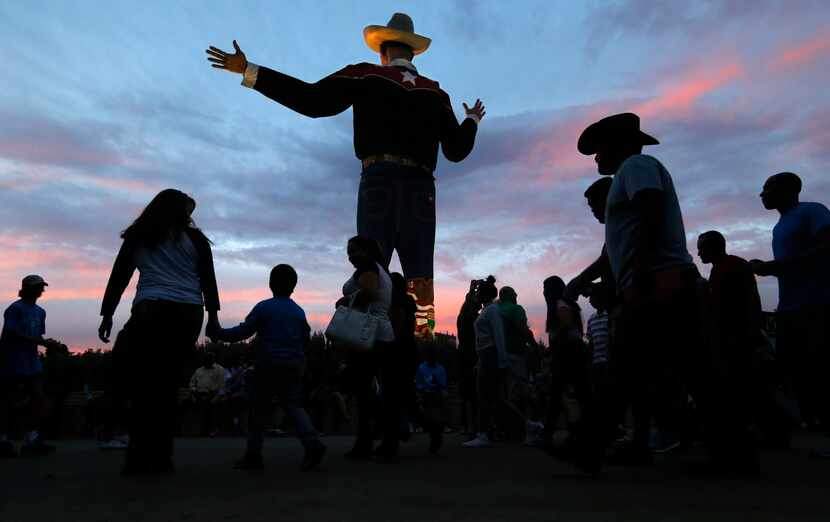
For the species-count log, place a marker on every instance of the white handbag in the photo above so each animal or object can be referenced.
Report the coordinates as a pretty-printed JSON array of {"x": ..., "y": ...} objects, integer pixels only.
[{"x": 352, "y": 328}]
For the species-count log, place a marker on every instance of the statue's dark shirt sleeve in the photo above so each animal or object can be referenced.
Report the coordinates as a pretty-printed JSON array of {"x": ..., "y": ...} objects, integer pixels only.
[
  {"x": 327, "y": 97},
  {"x": 457, "y": 140}
]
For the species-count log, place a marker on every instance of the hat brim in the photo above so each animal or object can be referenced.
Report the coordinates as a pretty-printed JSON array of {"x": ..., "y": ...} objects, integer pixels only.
[
  {"x": 375, "y": 35},
  {"x": 597, "y": 133}
]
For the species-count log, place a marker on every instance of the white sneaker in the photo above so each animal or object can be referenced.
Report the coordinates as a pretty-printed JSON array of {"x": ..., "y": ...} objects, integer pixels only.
[{"x": 481, "y": 441}]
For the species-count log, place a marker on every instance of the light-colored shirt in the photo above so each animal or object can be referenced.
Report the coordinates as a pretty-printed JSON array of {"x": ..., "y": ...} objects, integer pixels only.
[
  {"x": 490, "y": 342},
  {"x": 796, "y": 233},
  {"x": 208, "y": 380},
  {"x": 637, "y": 173},
  {"x": 169, "y": 272}
]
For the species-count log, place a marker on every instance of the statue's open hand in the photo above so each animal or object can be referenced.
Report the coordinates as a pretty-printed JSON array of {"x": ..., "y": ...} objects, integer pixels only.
[
  {"x": 235, "y": 63},
  {"x": 477, "y": 110}
]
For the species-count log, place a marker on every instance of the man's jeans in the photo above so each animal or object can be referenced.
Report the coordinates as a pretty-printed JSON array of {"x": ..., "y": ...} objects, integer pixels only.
[
  {"x": 396, "y": 206},
  {"x": 284, "y": 383}
]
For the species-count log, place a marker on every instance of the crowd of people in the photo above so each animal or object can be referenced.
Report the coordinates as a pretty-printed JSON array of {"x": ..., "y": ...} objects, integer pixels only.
[{"x": 667, "y": 360}]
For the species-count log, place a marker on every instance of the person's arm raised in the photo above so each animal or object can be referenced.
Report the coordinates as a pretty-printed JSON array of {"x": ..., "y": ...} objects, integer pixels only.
[{"x": 327, "y": 97}]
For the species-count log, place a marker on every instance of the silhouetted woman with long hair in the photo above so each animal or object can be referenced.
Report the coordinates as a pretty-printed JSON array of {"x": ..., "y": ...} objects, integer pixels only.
[
  {"x": 176, "y": 283},
  {"x": 371, "y": 287}
]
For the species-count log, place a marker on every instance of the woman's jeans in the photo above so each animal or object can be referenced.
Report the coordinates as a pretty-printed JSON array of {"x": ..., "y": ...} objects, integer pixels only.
[{"x": 157, "y": 340}]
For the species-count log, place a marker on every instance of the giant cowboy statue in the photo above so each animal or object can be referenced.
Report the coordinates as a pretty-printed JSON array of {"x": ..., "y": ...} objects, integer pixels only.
[{"x": 400, "y": 117}]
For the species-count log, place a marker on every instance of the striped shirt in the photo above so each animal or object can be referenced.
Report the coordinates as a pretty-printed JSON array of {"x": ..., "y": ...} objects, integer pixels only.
[{"x": 598, "y": 335}]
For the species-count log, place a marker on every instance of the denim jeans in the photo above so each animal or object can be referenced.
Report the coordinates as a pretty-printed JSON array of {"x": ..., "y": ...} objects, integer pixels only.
[
  {"x": 155, "y": 344},
  {"x": 396, "y": 206},
  {"x": 284, "y": 383}
]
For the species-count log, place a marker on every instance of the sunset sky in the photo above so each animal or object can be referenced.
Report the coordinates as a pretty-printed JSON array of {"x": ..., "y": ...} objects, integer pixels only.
[{"x": 106, "y": 103}]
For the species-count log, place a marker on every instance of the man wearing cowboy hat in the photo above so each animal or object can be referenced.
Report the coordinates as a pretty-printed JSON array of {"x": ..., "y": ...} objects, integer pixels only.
[
  {"x": 400, "y": 118},
  {"x": 646, "y": 248}
]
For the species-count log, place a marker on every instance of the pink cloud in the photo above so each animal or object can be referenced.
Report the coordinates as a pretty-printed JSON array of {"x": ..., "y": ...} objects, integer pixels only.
[
  {"x": 802, "y": 53},
  {"x": 679, "y": 96}
]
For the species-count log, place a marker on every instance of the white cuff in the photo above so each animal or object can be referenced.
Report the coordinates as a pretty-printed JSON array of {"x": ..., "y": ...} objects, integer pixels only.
[
  {"x": 474, "y": 118},
  {"x": 249, "y": 78}
]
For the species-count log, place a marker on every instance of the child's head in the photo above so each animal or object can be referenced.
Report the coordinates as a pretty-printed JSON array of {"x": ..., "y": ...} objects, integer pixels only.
[{"x": 283, "y": 280}]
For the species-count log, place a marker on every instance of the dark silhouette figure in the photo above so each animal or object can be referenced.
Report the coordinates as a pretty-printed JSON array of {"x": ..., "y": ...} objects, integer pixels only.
[
  {"x": 596, "y": 196},
  {"x": 400, "y": 118},
  {"x": 733, "y": 331},
  {"x": 801, "y": 247},
  {"x": 282, "y": 336},
  {"x": 431, "y": 383},
  {"x": 493, "y": 364},
  {"x": 646, "y": 247},
  {"x": 21, "y": 372},
  {"x": 371, "y": 288},
  {"x": 176, "y": 284},
  {"x": 398, "y": 366},
  {"x": 468, "y": 357},
  {"x": 569, "y": 365}
]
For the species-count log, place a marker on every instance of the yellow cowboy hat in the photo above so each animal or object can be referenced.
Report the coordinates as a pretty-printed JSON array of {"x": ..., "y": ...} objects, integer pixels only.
[{"x": 399, "y": 29}]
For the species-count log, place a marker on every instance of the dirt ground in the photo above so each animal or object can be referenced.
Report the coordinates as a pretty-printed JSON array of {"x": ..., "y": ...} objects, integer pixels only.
[{"x": 509, "y": 482}]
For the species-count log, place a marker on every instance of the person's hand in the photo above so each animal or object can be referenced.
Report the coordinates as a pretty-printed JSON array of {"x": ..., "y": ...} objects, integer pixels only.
[
  {"x": 235, "y": 63},
  {"x": 213, "y": 328},
  {"x": 477, "y": 110},
  {"x": 761, "y": 268},
  {"x": 105, "y": 330}
]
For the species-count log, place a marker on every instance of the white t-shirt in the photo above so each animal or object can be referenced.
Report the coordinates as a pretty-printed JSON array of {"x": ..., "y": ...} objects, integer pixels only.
[
  {"x": 637, "y": 173},
  {"x": 169, "y": 272}
]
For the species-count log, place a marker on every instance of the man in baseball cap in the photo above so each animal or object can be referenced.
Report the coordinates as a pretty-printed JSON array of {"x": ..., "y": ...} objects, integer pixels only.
[{"x": 24, "y": 325}]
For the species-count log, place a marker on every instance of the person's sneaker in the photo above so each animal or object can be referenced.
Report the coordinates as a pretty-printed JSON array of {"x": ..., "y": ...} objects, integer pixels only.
[
  {"x": 7, "y": 450},
  {"x": 250, "y": 462},
  {"x": 36, "y": 449},
  {"x": 112, "y": 445},
  {"x": 482, "y": 440},
  {"x": 314, "y": 453}
]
